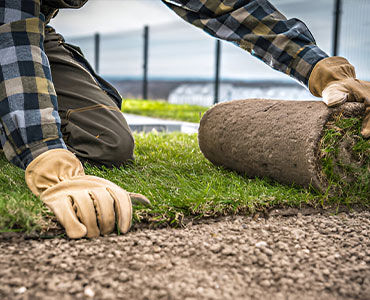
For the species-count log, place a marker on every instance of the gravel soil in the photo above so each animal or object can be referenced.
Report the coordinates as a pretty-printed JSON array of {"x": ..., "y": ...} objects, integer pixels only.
[{"x": 319, "y": 256}]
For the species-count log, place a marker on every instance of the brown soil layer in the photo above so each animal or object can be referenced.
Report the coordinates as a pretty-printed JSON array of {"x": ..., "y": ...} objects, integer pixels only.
[
  {"x": 319, "y": 256},
  {"x": 270, "y": 138}
]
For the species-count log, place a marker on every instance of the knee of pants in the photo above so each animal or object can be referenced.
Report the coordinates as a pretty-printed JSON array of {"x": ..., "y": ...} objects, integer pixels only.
[
  {"x": 123, "y": 152},
  {"x": 108, "y": 143},
  {"x": 106, "y": 153},
  {"x": 116, "y": 150}
]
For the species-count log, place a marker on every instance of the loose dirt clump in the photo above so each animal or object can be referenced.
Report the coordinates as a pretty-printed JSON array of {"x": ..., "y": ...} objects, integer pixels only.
[{"x": 319, "y": 256}]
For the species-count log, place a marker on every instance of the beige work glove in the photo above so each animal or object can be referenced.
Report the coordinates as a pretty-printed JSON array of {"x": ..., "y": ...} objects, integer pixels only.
[
  {"x": 84, "y": 205},
  {"x": 334, "y": 79}
]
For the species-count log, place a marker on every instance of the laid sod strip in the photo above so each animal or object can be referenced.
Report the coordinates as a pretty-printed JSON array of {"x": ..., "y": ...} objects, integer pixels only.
[
  {"x": 19, "y": 209},
  {"x": 164, "y": 110},
  {"x": 171, "y": 171},
  {"x": 305, "y": 143}
]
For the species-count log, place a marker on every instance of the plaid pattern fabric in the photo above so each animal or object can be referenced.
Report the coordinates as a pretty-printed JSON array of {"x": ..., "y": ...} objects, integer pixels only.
[
  {"x": 12, "y": 10},
  {"x": 258, "y": 27},
  {"x": 29, "y": 119}
]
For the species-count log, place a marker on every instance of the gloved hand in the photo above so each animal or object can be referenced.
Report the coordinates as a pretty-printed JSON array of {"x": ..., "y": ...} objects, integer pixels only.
[
  {"x": 334, "y": 79},
  {"x": 84, "y": 205}
]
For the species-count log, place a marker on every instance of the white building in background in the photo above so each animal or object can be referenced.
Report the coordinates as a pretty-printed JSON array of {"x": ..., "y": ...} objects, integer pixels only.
[{"x": 203, "y": 94}]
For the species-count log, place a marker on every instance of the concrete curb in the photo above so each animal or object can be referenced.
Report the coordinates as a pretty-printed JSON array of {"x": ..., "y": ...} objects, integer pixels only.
[{"x": 148, "y": 124}]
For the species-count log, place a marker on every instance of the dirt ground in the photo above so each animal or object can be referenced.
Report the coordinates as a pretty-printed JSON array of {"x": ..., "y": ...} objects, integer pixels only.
[{"x": 320, "y": 256}]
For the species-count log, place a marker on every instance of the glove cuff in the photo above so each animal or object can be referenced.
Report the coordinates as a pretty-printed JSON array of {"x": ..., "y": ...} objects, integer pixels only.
[
  {"x": 328, "y": 70},
  {"x": 50, "y": 168}
]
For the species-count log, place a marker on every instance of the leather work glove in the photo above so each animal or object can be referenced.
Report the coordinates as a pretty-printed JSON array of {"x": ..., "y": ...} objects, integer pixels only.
[
  {"x": 334, "y": 79},
  {"x": 84, "y": 205}
]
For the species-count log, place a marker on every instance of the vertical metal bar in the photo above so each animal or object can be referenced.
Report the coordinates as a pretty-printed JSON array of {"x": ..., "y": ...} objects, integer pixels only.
[
  {"x": 217, "y": 71},
  {"x": 336, "y": 27},
  {"x": 97, "y": 51},
  {"x": 145, "y": 65}
]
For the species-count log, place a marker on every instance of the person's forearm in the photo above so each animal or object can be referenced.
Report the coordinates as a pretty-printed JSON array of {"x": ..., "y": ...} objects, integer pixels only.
[
  {"x": 29, "y": 120},
  {"x": 258, "y": 27}
]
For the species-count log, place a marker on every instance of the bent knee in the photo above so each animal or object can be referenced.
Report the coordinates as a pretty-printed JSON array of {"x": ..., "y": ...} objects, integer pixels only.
[
  {"x": 122, "y": 152},
  {"x": 115, "y": 150},
  {"x": 107, "y": 145}
]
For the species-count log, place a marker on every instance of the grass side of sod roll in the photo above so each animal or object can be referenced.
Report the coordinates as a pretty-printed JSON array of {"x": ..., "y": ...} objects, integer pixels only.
[{"x": 345, "y": 159}]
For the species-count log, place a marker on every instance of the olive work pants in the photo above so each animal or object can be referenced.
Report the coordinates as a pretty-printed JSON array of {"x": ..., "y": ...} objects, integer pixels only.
[{"x": 92, "y": 124}]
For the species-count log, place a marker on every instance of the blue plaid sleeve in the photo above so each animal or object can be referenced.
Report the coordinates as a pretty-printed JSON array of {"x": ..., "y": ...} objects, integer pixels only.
[
  {"x": 29, "y": 119},
  {"x": 258, "y": 27}
]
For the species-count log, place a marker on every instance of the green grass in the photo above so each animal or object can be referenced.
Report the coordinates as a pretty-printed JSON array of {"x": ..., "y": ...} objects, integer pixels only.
[
  {"x": 19, "y": 209},
  {"x": 348, "y": 178},
  {"x": 171, "y": 171},
  {"x": 181, "y": 184},
  {"x": 164, "y": 110}
]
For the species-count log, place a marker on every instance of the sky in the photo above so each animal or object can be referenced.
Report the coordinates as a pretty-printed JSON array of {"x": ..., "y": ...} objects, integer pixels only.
[
  {"x": 113, "y": 15},
  {"x": 172, "y": 52}
]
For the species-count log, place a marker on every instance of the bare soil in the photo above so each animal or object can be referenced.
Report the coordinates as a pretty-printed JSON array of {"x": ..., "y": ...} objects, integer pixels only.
[{"x": 319, "y": 256}]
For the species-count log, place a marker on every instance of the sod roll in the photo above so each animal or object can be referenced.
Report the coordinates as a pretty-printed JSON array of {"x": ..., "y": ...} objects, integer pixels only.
[{"x": 301, "y": 142}]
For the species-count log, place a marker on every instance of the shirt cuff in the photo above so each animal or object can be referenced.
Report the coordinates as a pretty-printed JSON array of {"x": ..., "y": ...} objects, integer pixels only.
[
  {"x": 23, "y": 159},
  {"x": 304, "y": 61}
]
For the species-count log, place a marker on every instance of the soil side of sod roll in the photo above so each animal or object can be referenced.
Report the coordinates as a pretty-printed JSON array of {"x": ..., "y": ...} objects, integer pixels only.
[{"x": 300, "y": 142}]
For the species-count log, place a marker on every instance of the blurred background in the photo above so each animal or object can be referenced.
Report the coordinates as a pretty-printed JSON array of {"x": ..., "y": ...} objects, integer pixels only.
[{"x": 147, "y": 51}]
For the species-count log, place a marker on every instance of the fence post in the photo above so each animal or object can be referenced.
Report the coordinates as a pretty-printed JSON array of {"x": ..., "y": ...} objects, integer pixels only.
[
  {"x": 217, "y": 71},
  {"x": 97, "y": 51},
  {"x": 336, "y": 26},
  {"x": 145, "y": 65}
]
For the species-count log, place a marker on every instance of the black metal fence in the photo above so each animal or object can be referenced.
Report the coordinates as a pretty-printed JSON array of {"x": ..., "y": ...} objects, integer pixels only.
[{"x": 149, "y": 48}]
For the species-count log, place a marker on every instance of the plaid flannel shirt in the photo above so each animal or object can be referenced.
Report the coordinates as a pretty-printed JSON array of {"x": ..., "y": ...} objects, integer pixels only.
[
  {"x": 258, "y": 27},
  {"x": 29, "y": 119}
]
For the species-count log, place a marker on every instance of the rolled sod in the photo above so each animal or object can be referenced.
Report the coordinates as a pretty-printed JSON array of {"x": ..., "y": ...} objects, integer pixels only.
[{"x": 293, "y": 142}]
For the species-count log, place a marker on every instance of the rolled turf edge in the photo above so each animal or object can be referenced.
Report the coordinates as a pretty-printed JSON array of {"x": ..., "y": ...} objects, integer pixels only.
[{"x": 293, "y": 142}]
